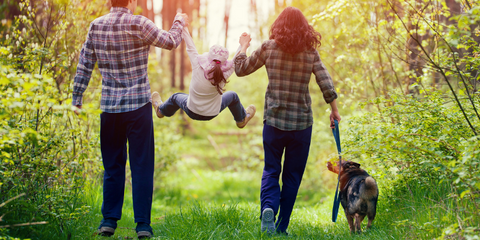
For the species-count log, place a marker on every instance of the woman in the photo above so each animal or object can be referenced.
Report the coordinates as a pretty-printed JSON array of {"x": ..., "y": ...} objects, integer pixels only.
[{"x": 290, "y": 58}]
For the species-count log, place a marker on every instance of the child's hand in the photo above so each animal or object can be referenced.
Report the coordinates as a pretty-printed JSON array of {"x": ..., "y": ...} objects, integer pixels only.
[
  {"x": 245, "y": 40},
  {"x": 184, "y": 16}
]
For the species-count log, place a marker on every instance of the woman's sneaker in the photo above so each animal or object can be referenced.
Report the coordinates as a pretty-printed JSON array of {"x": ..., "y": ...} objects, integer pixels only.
[
  {"x": 250, "y": 113},
  {"x": 156, "y": 102},
  {"x": 268, "y": 223}
]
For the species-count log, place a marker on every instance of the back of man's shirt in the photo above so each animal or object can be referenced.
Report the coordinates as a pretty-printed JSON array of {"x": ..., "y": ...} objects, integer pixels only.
[{"x": 119, "y": 42}]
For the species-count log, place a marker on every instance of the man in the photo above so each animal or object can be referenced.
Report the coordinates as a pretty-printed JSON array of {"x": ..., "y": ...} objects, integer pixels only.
[{"x": 119, "y": 42}]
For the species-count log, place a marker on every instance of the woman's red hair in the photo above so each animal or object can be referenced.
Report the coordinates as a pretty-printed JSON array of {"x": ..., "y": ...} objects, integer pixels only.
[{"x": 292, "y": 33}]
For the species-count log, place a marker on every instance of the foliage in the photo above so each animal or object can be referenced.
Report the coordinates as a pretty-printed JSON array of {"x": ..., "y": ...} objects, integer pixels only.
[
  {"x": 46, "y": 151},
  {"x": 423, "y": 141}
]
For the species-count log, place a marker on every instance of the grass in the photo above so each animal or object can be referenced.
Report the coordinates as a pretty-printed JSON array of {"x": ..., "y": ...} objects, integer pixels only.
[
  {"x": 224, "y": 205},
  {"x": 206, "y": 204}
]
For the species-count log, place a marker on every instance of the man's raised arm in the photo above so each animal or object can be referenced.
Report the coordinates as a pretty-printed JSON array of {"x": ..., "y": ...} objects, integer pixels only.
[{"x": 152, "y": 35}]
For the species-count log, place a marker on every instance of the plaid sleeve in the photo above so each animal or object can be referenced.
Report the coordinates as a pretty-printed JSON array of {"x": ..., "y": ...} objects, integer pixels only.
[
  {"x": 152, "y": 35},
  {"x": 246, "y": 65},
  {"x": 324, "y": 80},
  {"x": 85, "y": 66}
]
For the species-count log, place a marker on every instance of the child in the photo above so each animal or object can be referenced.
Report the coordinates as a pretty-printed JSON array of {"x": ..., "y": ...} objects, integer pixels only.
[{"x": 207, "y": 98}]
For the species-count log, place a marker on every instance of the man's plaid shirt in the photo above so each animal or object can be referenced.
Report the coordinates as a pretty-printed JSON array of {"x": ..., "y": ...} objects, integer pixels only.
[
  {"x": 287, "y": 100},
  {"x": 119, "y": 42}
]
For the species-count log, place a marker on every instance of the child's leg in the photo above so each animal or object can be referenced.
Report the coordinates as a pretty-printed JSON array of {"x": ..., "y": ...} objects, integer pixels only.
[
  {"x": 231, "y": 100},
  {"x": 175, "y": 102}
]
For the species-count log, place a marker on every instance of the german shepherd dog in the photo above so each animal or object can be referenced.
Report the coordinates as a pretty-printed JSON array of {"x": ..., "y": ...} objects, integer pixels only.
[{"x": 358, "y": 194}]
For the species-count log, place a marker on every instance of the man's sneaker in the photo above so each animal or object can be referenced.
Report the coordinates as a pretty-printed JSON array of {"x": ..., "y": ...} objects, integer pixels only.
[
  {"x": 107, "y": 227},
  {"x": 144, "y": 230},
  {"x": 156, "y": 102},
  {"x": 250, "y": 113},
  {"x": 267, "y": 221}
]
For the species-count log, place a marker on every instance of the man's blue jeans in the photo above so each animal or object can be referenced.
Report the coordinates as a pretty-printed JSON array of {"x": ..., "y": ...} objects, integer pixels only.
[
  {"x": 177, "y": 101},
  {"x": 116, "y": 129},
  {"x": 296, "y": 145}
]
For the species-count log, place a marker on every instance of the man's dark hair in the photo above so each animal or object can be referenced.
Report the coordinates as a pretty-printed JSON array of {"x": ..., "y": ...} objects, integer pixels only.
[{"x": 119, "y": 3}]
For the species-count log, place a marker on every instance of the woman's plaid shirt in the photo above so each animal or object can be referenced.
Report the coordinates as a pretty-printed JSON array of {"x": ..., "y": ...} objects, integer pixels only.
[
  {"x": 287, "y": 100},
  {"x": 119, "y": 42}
]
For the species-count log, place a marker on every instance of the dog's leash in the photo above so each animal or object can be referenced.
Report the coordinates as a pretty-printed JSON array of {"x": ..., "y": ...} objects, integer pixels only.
[{"x": 336, "y": 201}]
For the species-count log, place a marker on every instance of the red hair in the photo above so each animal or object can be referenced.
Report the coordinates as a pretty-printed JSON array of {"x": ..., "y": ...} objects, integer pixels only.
[{"x": 292, "y": 33}]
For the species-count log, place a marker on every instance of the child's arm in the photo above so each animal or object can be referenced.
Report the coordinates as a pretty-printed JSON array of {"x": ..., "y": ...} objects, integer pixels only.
[{"x": 191, "y": 49}]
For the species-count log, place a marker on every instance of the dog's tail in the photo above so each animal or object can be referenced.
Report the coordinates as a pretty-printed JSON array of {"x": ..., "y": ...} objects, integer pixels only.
[{"x": 370, "y": 187}]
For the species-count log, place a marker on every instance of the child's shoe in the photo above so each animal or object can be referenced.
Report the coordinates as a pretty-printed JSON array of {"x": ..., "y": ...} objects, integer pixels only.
[
  {"x": 156, "y": 102},
  {"x": 250, "y": 113}
]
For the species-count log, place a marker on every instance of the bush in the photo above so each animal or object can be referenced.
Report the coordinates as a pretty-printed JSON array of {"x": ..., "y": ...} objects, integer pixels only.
[
  {"x": 422, "y": 141},
  {"x": 46, "y": 151}
]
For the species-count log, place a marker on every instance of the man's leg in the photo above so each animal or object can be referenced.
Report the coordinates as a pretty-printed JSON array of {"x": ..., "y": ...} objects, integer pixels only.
[
  {"x": 296, "y": 155},
  {"x": 142, "y": 157},
  {"x": 113, "y": 142}
]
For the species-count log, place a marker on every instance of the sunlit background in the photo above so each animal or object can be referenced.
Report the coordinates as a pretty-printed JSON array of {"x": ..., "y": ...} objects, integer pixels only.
[
  {"x": 406, "y": 74},
  {"x": 249, "y": 16}
]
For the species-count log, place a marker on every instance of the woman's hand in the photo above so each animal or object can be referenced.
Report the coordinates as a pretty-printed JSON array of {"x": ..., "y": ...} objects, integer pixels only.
[
  {"x": 245, "y": 41},
  {"x": 335, "y": 115}
]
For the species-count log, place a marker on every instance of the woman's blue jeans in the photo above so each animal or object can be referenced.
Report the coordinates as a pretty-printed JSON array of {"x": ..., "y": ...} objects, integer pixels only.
[
  {"x": 177, "y": 101},
  {"x": 295, "y": 145}
]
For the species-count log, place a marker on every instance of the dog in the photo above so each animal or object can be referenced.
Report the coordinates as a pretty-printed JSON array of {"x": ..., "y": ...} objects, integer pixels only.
[{"x": 358, "y": 194}]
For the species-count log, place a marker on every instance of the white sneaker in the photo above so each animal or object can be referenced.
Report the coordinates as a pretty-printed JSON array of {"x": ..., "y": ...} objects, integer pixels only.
[
  {"x": 267, "y": 221},
  {"x": 156, "y": 102}
]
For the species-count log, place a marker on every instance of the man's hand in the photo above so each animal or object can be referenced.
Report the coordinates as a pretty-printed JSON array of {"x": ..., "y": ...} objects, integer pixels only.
[
  {"x": 78, "y": 108},
  {"x": 184, "y": 16}
]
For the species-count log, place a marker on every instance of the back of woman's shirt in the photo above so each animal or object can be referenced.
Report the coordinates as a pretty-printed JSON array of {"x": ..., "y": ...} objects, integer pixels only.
[{"x": 287, "y": 100}]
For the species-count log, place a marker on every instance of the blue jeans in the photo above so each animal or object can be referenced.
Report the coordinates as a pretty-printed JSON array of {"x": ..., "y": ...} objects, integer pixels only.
[
  {"x": 116, "y": 129},
  {"x": 296, "y": 145},
  {"x": 177, "y": 101}
]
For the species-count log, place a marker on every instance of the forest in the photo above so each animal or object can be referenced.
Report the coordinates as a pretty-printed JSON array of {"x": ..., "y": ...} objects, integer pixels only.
[{"x": 406, "y": 74}]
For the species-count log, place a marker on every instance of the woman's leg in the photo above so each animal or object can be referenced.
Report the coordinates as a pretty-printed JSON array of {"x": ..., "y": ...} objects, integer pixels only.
[
  {"x": 296, "y": 155},
  {"x": 175, "y": 102},
  {"x": 231, "y": 100},
  {"x": 274, "y": 142}
]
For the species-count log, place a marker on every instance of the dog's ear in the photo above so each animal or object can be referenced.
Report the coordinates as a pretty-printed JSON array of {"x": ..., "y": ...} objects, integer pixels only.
[
  {"x": 357, "y": 165},
  {"x": 329, "y": 166}
]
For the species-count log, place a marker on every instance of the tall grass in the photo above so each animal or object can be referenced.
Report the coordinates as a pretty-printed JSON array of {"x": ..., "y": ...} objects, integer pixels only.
[{"x": 224, "y": 205}]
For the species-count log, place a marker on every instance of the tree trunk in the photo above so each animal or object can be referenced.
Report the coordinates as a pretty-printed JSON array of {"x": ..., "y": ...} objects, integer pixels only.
[
  {"x": 186, "y": 9},
  {"x": 169, "y": 10},
  {"x": 228, "y": 6},
  {"x": 415, "y": 63}
]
